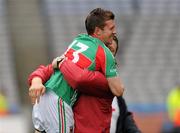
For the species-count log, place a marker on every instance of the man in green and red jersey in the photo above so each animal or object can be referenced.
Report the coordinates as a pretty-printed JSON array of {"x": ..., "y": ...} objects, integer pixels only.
[
  {"x": 92, "y": 107},
  {"x": 87, "y": 51}
]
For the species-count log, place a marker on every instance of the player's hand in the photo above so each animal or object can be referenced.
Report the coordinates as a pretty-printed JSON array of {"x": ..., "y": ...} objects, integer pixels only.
[
  {"x": 56, "y": 62},
  {"x": 36, "y": 90}
]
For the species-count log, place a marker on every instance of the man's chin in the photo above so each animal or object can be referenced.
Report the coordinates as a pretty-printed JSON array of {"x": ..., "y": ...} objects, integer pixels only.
[{"x": 108, "y": 42}]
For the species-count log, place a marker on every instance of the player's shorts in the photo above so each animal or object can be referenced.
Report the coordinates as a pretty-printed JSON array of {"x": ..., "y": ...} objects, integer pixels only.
[{"x": 52, "y": 115}]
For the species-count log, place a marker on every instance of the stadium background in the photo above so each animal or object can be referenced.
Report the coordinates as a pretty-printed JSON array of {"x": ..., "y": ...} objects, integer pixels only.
[{"x": 33, "y": 32}]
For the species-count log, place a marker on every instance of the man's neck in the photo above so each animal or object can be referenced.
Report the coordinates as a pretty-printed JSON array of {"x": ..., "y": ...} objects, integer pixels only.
[{"x": 96, "y": 36}]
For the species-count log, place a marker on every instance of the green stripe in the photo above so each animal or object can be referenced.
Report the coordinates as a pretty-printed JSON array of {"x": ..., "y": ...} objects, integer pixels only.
[
  {"x": 64, "y": 118},
  {"x": 59, "y": 115},
  {"x": 74, "y": 98}
]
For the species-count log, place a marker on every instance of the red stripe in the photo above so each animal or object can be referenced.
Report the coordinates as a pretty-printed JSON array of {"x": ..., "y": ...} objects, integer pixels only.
[
  {"x": 83, "y": 61},
  {"x": 69, "y": 54},
  {"x": 61, "y": 116},
  {"x": 101, "y": 60}
]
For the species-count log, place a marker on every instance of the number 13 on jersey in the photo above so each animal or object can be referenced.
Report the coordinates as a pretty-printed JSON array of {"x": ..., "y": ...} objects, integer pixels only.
[{"x": 80, "y": 48}]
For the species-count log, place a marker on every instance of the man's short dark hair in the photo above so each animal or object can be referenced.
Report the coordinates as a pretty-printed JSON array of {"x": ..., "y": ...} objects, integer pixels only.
[{"x": 97, "y": 18}]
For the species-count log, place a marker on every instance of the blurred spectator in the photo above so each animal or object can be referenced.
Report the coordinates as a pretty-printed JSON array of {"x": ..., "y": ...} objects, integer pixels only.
[
  {"x": 173, "y": 102},
  {"x": 173, "y": 108},
  {"x": 3, "y": 104}
]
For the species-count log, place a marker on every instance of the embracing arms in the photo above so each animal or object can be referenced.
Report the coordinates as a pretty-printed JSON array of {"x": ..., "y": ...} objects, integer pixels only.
[{"x": 88, "y": 82}]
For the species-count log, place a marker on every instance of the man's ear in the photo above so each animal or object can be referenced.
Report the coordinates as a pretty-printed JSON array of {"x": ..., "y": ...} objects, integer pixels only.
[{"x": 97, "y": 31}]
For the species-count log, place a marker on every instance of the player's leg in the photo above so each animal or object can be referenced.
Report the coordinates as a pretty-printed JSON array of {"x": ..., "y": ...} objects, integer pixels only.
[
  {"x": 45, "y": 113},
  {"x": 52, "y": 114},
  {"x": 39, "y": 131},
  {"x": 66, "y": 117}
]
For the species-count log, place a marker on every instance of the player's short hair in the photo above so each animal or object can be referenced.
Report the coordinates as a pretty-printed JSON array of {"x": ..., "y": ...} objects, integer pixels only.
[{"x": 97, "y": 18}]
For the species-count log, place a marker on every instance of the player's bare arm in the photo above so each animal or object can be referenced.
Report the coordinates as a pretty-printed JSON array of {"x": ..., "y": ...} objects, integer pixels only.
[{"x": 116, "y": 86}]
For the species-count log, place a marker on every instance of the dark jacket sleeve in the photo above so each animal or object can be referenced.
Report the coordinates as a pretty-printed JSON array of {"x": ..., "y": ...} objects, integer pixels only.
[
  {"x": 88, "y": 82},
  {"x": 125, "y": 123}
]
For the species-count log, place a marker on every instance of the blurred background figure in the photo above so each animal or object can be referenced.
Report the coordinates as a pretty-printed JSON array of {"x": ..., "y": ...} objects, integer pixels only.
[
  {"x": 173, "y": 104},
  {"x": 173, "y": 110},
  {"x": 4, "y": 109}
]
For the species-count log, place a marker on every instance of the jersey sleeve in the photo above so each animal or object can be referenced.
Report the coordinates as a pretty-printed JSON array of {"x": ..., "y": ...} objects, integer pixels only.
[
  {"x": 105, "y": 62},
  {"x": 43, "y": 72},
  {"x": 88, "y": 82}
]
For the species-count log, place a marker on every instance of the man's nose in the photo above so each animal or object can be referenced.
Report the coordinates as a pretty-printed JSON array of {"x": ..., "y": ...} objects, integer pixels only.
[{"x": 114, "y": 31}]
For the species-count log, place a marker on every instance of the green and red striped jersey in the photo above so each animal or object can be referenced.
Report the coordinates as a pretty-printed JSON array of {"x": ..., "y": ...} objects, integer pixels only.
[{"x": 88, "y": 53}]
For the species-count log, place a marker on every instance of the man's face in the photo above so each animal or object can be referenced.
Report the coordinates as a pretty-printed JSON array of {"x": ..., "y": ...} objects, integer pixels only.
[
  {"x": 107, "y": 33},
  {"x": 112, "y": 47}
]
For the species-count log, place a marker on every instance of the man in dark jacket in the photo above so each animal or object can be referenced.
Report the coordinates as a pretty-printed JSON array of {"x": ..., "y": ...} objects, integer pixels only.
[{"x": 125, "y": 123}]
